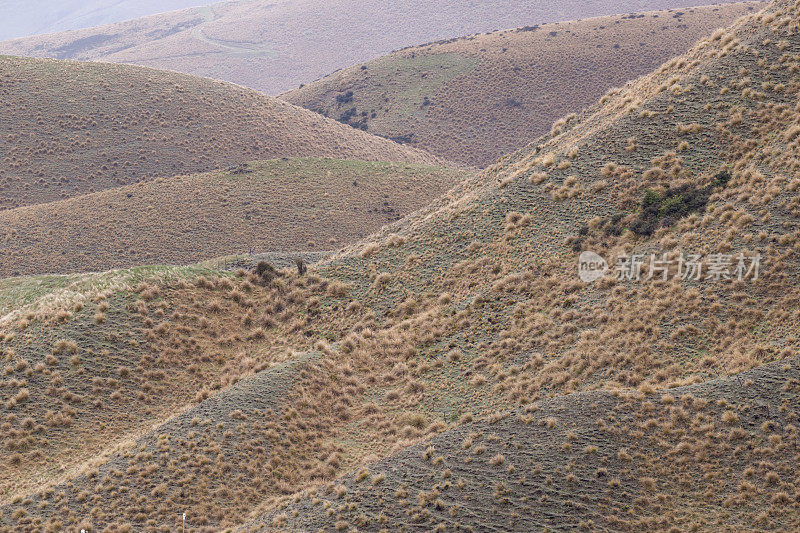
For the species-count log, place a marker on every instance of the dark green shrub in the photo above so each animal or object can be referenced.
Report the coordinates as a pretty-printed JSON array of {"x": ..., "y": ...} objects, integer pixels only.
[
  {"x": 659, "y": 210},
  {"x": 722, "y": 178},
  {"x": 664, "y": 209},
  {"x": 345, "y": 98}
]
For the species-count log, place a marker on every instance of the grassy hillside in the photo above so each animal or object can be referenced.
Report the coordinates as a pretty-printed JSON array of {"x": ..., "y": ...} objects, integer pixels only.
[
  {"x": 92, "y": 364},
  {"x": 476, "y": 98},
  {"x": 290, "y": 205},
  {"x": 72, "y": 128},
  {"x": 444, "y": 328},
  {"x": 274, "y": 46},
  {"x": 595, "y": 460}
]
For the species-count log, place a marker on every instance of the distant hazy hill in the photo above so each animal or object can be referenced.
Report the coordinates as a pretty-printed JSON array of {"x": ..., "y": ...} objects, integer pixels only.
[
  {"x": 274, "y": 46},
  {"x": 22, "y": 18},
  {"x": 70, "y": 128},
  {"x": 475, "y": 98}
]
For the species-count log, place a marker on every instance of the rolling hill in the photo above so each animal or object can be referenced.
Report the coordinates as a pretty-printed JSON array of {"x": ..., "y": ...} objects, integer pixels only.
[
  {"x": 555, "y": 466},
  {"x": 25, "y": 18},
  {"x": 71, "y": 128},
  {"x": 476, "y": 98},
  {"x": 274, "y": 46},
  {"x": 279, "y": 205},
  {"x": 453, "y": 370}
]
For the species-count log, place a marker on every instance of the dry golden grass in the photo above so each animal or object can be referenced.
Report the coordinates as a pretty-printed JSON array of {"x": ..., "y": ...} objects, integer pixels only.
[
  {"x": 74, "y": 387},
  {"x": 72, "y": 128},
  {"x": 278, "y": 205},
  {"x": 614, "y": 405},
  {"x": 474, "y": 99},
  {"x": 646, "y": 464}
]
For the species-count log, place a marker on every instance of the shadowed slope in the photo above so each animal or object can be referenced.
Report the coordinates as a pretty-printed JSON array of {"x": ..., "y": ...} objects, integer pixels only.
[{"x": 597, "y": 460}]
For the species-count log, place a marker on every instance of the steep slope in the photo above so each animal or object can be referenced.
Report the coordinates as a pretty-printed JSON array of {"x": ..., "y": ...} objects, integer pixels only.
[
  {"x": 476, "y": 98},
  {"x": 70, "y": 128},
  {"x": 24, "y": 18},
  {"x": 274, "y": 46},
  {"x": 473, "y": 308},
  {"x": 288, "y": 205},
  {"x": 94, "y": 362},
  {"x": 716, "y": 456},
  {"x": 222, "y": 466}
]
